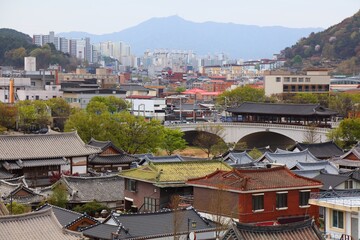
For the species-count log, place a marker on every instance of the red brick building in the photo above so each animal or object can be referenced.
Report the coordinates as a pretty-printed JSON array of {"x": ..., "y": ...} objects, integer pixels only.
[{"x": 256, "y": 195}]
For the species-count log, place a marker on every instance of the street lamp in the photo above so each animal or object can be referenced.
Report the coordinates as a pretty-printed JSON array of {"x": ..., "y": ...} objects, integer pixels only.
[{"x": 193, "y": 226}]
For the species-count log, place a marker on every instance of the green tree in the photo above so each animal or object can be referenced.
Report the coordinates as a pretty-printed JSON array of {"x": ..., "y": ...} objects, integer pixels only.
[
  {"x": 131, "y": 133},
  {"x": 112, "y": 103},
  {"x": 180, "y": 89},
  {"x": 33, "y": 114},
  {"x": 59, "y": 196},
  {"x": 236, "y": 97},
  {"x": 59, "y": 107},
  {"x": 255, "y": 153},
  {"x": 345, "y": 104},
  {"x": 173, "y": 140},
  {"x": 8, "y": 114},
  {"x": 16, "y": 56},
  {"x": 348, "y": 132},
  {"x": 17, "y": 208},
  {"x": 92, "y": 208}
]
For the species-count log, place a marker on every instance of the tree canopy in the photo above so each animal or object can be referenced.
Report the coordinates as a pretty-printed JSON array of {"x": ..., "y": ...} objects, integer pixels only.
[{"x": 236, "y": 97}]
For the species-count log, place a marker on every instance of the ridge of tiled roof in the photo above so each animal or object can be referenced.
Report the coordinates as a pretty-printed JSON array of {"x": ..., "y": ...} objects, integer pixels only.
[
  {"x": 298, "y": 230},
  {"x": 321, "y": 150},
  {"x": 42, "y": 146},
  {"x": 254, "y": 179},
  {"x": 104, "y": 144}
]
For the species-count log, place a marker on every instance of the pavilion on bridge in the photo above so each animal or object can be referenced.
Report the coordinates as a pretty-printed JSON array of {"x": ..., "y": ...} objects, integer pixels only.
[{"x": 296, "y": 114}]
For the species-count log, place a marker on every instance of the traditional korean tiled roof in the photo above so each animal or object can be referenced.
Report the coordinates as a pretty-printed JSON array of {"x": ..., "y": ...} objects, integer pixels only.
[
  {"x": 40, "y": 225},
  {"x": 5, "y": 174},
  {"x": 281, "y": 109},
  {"x": 243, "y": 180},
  {"x": 355, "y": 150},
  {"x": 290, "y": 159},
  {"x": 238, "y": 158},
  {"x": 324, "y": 165},
  {"x": 346, "y": 163},
  {"x": 174, "y": 172},
  {"x": 19, "y": 164},
  {"x": 101, "y": 189},
  {"x": 8, "y": 191},
  {"x": 65, "y": 217},
  {"x": 304, "y": 230},
  {"x": 331, "y": 180},
  {"x": 150, "y": 225},
  {"x": 104, "y": 145},
  {"x": 161, "y": 159},
  {"x": 112, "y": 159},
  {"x": 323, "y": 150},
  {"x": 42, "y": 146}
]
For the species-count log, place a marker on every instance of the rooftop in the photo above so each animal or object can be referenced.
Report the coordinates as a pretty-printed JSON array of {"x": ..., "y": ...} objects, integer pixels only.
[
  {"x": 42, "y": 146},
  {"x": 253, "y": 180},
  {"x": 174, "y": 172}
]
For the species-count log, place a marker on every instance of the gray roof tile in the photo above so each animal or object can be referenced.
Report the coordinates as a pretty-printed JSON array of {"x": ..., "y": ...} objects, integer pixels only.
[
  {"x": 102, "y": 189},
  {"x": 34, "y": 146},
  {"x": 40, "y": 225}
]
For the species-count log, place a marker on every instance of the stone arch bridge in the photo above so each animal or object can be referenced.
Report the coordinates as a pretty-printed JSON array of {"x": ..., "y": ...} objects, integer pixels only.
[{"x": 233, "y": 132}]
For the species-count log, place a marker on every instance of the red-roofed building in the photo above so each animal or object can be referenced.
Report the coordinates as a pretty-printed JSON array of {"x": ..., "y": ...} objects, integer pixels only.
[{"x": 256, "y": 195}]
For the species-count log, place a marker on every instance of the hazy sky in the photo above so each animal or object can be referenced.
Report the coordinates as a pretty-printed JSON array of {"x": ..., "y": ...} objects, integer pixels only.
[{"x": 106, "y": 16}]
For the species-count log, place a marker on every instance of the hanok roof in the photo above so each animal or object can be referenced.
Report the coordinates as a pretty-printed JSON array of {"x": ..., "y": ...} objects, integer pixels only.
[
  {"x": 104, "y": 145},
  {"x": 40, "y": 225},
  {"x": 65, "y": 217},
  {"x": 355, "y": 151},
  {"x": 249, "y": 180},
  {"x": 331, "y": 180},
  {"x": 149, "y": 225},
  {"x": 5, "y": 174},
  {"x": 19, "y": 164},
  {"x": 163, "y": 159},
  {"x": 281, "y": 109},
  {"x": 42, "y": 146},
  {"x": 174, "y": 172},
  {"x": 324, "y": 165},
  {"x": 238, "y": 158},
  {"x": 113, "y": 159},
  {"x": 295, "y": 231},
  {"x": 290, "y": 159},
  {"x": 323, "y": 150},
  {"x": 87, "y": 189},
  {"x": 9, "y": 192}
]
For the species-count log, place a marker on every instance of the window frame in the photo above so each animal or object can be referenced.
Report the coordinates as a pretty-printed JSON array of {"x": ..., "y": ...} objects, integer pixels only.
[
  {"x": 281, "y": 204},
  {"x": 256, "y": 203},
  {"x": 150, "y": 204},
  {"x": 130, "y": 185},
  {"x": 339, "y": 219},
  {"x": 301, "y": 205}
]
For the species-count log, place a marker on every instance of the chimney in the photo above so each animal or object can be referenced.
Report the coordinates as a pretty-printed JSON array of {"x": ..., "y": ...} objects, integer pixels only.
[{"x": 11, "y": 91}]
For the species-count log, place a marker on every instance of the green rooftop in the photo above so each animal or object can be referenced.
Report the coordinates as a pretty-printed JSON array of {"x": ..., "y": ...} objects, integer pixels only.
[{"x": 174, "y": 172}]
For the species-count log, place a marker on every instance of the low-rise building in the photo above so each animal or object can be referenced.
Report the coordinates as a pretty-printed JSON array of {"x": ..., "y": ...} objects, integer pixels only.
[
  {"x": 256, "y": 195},
  {"x": 314, "y": 81}
]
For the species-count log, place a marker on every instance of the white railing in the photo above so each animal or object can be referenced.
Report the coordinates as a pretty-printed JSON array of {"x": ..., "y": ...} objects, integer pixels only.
[{"x": 264, "y": 125}]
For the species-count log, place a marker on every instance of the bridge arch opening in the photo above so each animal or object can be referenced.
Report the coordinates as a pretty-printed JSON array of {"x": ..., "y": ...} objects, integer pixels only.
[
  {"x": 263, "y": 139},
  {"x": 191, "y": 137}
]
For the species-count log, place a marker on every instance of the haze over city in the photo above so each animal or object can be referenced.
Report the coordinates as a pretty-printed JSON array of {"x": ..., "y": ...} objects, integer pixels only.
[{"x": 38, "y": 16}]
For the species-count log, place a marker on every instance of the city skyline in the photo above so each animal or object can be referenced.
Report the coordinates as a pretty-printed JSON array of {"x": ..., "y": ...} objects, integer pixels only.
[{"x": 113, "y": 16}]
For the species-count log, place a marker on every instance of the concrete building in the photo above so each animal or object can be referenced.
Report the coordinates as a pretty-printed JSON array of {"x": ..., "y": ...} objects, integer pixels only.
[
  {"x": 149, "y": 108},
  {"x": 314, "y": 81},
  {"x": 30, "y": 64}
]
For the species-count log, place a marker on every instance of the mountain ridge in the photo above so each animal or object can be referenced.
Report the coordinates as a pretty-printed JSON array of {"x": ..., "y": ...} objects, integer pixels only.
[{"x": 174, "y": 32}]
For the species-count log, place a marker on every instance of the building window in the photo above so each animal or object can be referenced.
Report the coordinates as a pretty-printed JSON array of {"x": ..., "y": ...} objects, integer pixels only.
[
  {"x": 278, "y": 79},
  {"x": 306, "y": 88},
  {"x": 337, "y": 219},
  {"x": 294, "y": 79},
  {"x": 281, "y": 200},
  {"x": 33, "y": 84},
  {"x": 307, "y": 79},
  {"x": 130, "y": 185},
  {"x": 348, "y": 184},
  {"x": 300, "y": 88},
  {"x": 286, "y": 79},
  {"x": 27, "y": 97},
  {"x": 301, "y": 79},
  {"x": 304, "y": 198},
  {"x": 258, "y": 202},
  {"x": 293, "y": 88},
  {"x": 150, "y": 204},
  {"x": 37, "y": 97},
  {"x": 285, "y": 88}
]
